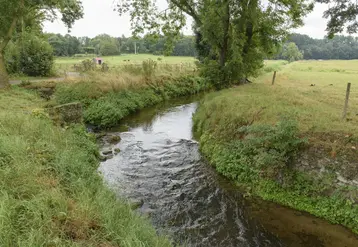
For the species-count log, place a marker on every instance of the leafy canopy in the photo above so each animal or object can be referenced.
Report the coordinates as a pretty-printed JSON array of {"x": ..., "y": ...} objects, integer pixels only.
[
  {"x": 341, "y": 14},
  {"x": 233, "y": 37}
]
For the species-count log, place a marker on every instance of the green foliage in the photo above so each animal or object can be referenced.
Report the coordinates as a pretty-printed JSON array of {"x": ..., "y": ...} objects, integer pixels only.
[
  {"x": 84, "y": 92},
  {"x": 12, "y": 58},
  {"x": 341, "y": 14},
  {"x": 340, "y": 47},
  {"x": 258, "y": 156},
  {"x": 31, "y": 55},
  {"x": 51, "y": 192},
  {"x": 266, "y": 149},
  {"x": 88, "y": 65},
  {"x": 291, "y": 53},
  {"x": 149, "y": 68},
  {"x": 64, "y": 45},
  {"x": 234, "y": 36},
  {"x": 36, "y": 56},
  {"x": 107, "y": 109},
  {"x": 108, "y": 48}
]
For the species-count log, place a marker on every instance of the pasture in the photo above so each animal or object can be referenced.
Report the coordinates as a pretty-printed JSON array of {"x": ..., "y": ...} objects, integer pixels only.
[
  {"x": 313, "y": 91},
  {"x": 67, "y": 63}
]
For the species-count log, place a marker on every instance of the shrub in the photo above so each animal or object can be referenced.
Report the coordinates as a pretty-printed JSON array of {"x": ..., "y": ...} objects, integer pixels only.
[
  {"x": 36, "y": 56},
  {"x": 149, "y": 68},
  {"x": 88, "y": 65}
]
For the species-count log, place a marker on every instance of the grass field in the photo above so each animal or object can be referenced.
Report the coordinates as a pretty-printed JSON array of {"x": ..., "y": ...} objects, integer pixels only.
[
  {"x": 314, "y": 91},
  {"x": 287, "y": 142},
  {"x": 114, "y": 61}
]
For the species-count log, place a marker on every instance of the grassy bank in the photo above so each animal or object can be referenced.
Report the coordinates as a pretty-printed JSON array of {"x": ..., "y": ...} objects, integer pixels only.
[
  {"x": 50, "y": 191},
  {"x": 107, "y": 101},
  {"x": 258, "y": 135}
]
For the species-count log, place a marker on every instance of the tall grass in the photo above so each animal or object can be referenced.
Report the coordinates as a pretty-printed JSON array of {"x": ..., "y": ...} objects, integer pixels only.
[
  {"x": 50, "y": 191},
  {"x": 242, "y": 133},
  {"x": 108, "y": 102}
]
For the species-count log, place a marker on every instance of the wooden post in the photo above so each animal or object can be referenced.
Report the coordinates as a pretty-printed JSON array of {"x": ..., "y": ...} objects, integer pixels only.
[
  {"x": 274, "y": 78},
  {"x": 346, "y": 102}
]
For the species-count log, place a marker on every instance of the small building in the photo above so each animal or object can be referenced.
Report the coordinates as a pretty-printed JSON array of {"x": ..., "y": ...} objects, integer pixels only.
[{"x": 98, "y": 60}]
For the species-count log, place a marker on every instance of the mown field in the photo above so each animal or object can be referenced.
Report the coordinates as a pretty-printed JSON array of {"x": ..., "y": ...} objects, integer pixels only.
[{"x": 116, "y": 61}]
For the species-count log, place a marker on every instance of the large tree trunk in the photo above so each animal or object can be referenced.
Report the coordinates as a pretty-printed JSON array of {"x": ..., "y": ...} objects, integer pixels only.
[
  {"x": 225, "y": 44},
  {"x": 4, "y": 78}
]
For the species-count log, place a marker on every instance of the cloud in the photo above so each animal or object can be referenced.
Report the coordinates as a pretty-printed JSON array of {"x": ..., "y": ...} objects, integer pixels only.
[{"x": 314, "y": 23}]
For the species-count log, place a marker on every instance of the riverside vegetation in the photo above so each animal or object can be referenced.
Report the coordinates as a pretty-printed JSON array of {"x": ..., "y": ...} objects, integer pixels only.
[
  {"x": 50, "y": 190},
  {"x": 287, "y": 143},
  {"x": 108, "y": 97}
]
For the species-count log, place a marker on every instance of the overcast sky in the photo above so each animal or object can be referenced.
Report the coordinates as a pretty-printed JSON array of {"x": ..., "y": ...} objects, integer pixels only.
[{"x": 100, "y": 18}]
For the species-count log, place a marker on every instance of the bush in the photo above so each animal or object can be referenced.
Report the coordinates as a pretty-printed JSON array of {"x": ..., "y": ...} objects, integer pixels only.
[
  {"x": 36, "y": 56},
  {"x": 149, "y": 68}
]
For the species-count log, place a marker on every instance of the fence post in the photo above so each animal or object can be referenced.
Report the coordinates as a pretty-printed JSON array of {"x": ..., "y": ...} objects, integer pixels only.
[
  {"x": 346, "y": 101},
  {"x": 274, "y": 78}
]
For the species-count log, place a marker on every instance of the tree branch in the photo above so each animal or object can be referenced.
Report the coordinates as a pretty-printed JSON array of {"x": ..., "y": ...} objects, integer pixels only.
[{"x": 188, "y": 9}]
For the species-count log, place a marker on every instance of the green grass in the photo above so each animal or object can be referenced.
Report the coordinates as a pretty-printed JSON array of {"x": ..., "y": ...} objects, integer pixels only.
[
  {"x": 50, "y": 191},
  {"x": 117, "y": 61},
  {"x": 106, "y": 105},
  {"x": 241, "y": 133}
]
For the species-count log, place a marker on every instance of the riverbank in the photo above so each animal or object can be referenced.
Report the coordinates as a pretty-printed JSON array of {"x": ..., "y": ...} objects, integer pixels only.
[
  {"x": 107, "y": 102},
  {"x": 287, "y": 143},
  {"x": 50, "y": 191}
]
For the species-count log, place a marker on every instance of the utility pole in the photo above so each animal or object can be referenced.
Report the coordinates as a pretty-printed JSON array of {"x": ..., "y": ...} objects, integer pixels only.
[{"x": 135, "y": 47}]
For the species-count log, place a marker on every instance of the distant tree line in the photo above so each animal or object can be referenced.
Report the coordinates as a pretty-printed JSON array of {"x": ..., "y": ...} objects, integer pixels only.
[
  {"x": 105, "y": 45},
  {"x": 340, "y": 47}
]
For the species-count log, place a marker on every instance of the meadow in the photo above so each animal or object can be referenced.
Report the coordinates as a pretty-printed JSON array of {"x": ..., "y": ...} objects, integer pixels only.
[
  {"x": 288, "y": 141},
  {"x": 313, "y": 91},
  {"x": 67, "y": 63}
]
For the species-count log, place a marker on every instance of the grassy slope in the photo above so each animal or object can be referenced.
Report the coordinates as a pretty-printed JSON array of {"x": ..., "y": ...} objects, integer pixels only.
[
  {"x": 106, "y": 103},
  {"x": 317, "y": 110},
  {"x": 50, "y": 191}
]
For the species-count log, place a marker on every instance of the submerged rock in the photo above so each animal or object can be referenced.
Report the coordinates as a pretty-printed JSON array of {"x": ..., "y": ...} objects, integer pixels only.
[
  {"x": 136, "y": 203},
  {"x": 107, "y": 152},
  {"x": 114, "y": 139}
]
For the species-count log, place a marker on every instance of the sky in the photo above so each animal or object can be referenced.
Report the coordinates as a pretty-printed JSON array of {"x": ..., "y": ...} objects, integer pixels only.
[{"x": 100, "y": 18}]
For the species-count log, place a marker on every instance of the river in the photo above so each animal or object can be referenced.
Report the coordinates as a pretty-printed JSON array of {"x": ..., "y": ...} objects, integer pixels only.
[{"x": 160, "y": 168}]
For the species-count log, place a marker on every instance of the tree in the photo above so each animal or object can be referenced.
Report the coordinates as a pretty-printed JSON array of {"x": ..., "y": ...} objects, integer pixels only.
[
  {"x": 238, "y": 34},
  {"x": 291, "y": 53},
  {"x": 13, "y": 11},
  {"x": 108, "y": 48},
  {"x": 341, "y": 14}
]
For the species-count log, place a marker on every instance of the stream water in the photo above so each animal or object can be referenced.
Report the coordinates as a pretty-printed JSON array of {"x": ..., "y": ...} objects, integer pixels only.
[{"x": 161, "y": 169}]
